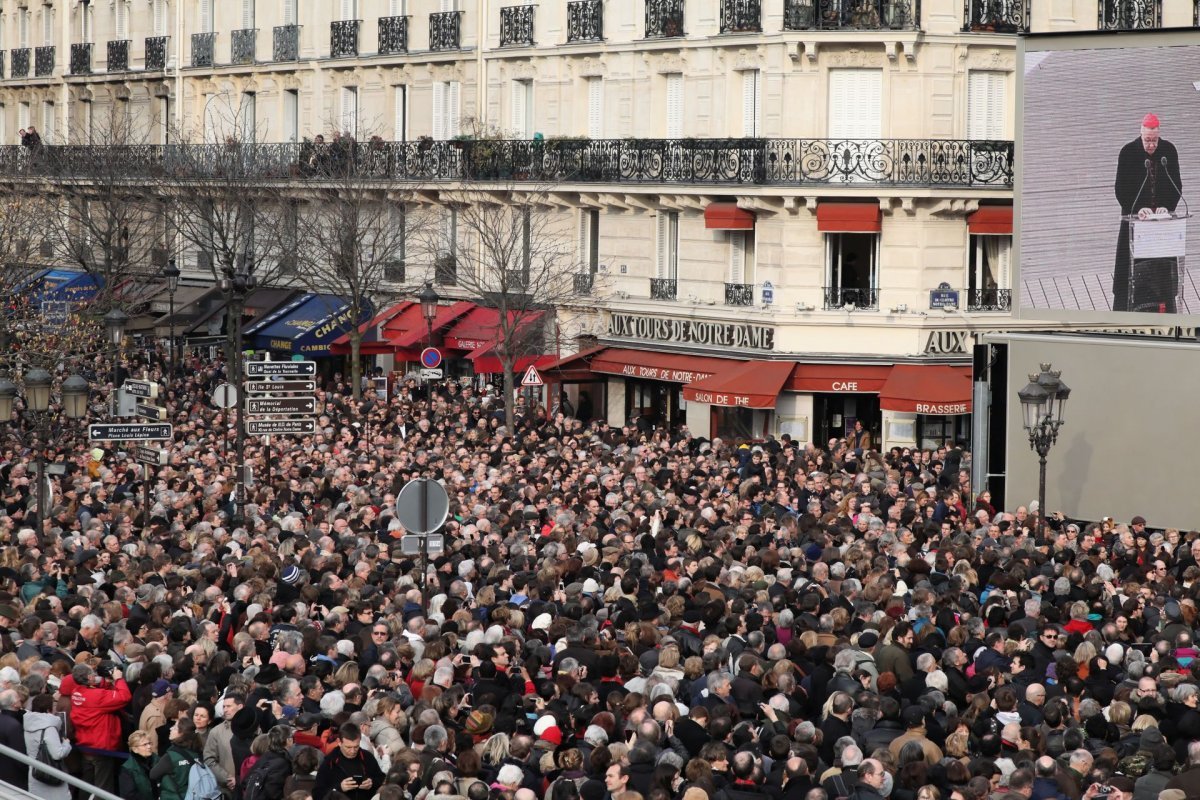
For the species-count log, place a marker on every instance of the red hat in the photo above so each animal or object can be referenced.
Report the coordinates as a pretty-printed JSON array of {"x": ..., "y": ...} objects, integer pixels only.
[{"x": 1150, "y": 121}]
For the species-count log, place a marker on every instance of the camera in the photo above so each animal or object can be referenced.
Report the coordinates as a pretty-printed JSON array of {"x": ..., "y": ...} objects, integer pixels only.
[{"x": 105, "y": 669}]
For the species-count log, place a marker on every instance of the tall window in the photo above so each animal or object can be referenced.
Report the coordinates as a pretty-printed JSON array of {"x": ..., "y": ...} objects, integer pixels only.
[
  {"x": 47, "y": 24},
  {"x": 349, "y": 9},
  {"x": 247, "y": 14},
  {"x": 396, "y": 8},
  {"x": 851, "y": 269},
  {"x": 667, "y": 246},
  {"x": 445, "y": 109},
  {"x": 160, "y": 17},
  {"x": 3, "y": 123},
  {"x": 988, "y": 265},
  {"x": 349, "y": 110},
  {"x": 85, "y": 22},
  {"x": 85, "y": 121},
  {"x": 23, "y": 23},
  {"x": 855, "y": 103},
  {"x": 589, "y": 240},
  {"x": 48, "y": 121},
  {"x": 400, "y": 113},
  {"x": 987, "y": 97},
  {"x": 741, "y": 257},
  {"x": 751, "y": 102},
  {"x": 291, "y": 115},
  {"x": 249, "y": 117},
  {"x": 290, "y": 15},
  {"x": 164, "y": 120},
  {"x": 206, "y": 16},
  {"x": 121, "y": 19},
  {"x": 522, "y": 109},
  {"x": 23, "y": 115},
  {"x": 595, "y": 108},
  {"x": 674, "y": 105}
]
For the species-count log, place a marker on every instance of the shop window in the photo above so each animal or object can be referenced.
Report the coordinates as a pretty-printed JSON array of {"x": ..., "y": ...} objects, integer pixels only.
[{"x": 734, "y": 424}]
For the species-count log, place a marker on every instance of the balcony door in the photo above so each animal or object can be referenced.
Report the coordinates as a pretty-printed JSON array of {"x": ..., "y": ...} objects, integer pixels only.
[
  {"x": 987, "y": 99},
  {"x": 855, "y": 104}
]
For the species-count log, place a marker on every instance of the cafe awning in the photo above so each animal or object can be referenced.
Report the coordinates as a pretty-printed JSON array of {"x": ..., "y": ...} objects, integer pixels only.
[
  {"x": 486, "y": 360},
  {"x": 307, "y": 326},
  {"x": 749, "y": 384},
  {"x": 927, "y": 389},
  {"x": 445, "y": 317},
  {"x": 657, "y": 366},
  {"x": 473, "y": 330},
  {"x": 838, "y": 378},
  {"x": 380, "y": 333}
]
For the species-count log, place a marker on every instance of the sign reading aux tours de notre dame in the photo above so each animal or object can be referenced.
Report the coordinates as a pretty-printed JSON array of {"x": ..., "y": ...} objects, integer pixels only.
[{"x": 742, "y": 336}]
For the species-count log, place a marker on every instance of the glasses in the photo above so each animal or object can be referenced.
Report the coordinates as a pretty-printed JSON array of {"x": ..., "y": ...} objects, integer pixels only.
[{"x": 379, "y": 633}]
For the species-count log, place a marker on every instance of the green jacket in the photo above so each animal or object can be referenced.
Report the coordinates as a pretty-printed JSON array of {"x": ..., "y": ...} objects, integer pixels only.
[
  {"x": 135, "y": 779},
  {"x": 172, "y": 770}
]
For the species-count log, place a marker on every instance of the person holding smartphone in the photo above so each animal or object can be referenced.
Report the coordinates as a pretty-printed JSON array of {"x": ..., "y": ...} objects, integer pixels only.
[{"x": 349, "y": 769}]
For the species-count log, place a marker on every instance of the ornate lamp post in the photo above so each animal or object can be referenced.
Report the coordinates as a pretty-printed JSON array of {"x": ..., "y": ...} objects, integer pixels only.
[
  {"x": 429, "y": 300},
  {"x": 237, "y": 287},
  {"x": 171, "y": 274},
  {"x": 115, "y": 322},
  {"x": 1043, "y": 401}
]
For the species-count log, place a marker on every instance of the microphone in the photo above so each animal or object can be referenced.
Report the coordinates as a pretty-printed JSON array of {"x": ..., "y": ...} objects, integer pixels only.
[
  {"x": 1138, "y": 196},
  {"x": 1163, "y": 160}
]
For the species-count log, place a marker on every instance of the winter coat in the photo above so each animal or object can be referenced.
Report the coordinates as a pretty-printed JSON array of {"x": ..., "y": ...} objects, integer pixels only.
[
  {"x": 278, "y": 767},
  {"x": 218, "y": 755},
  {"x": 49, "y": 727},
  {"x": 133, "y": 779},
  {"x": 387, "y": 742},
  {"x": 337, "y": 767},
  {"x": 12, "y": 734},
  {"x": 95, "y": 715},
  {"x": 172, "y": 770}
]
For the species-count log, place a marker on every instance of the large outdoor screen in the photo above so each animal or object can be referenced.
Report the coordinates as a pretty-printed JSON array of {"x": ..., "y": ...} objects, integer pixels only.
[{"x": 1108, "y": 167}]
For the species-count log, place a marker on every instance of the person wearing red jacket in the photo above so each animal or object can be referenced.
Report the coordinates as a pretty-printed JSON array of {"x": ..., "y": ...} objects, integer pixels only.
[{"x": 96, "y": 705}]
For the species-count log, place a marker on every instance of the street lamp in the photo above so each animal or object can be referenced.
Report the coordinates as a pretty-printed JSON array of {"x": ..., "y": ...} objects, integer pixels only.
[
  {"x": 1043, "y": 401},
  {"x": 237, "y": 286},
  {"x": 114, "y": 324},
  {"x": 171, "y": 274},
  {"x": 429, "y": 299}
]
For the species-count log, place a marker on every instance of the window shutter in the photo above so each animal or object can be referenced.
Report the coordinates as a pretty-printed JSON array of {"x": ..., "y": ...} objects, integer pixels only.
[
  {"x": 47, "y": 25},
  {"x": 662, "y": 244},
  {"x": 289, "y": 12},
  {"x": 47, "y": 121},
  {"x": 160, "y": 17},
  {"x": 291, "y": 116},
  {"x": 855, "y": 103},
  {"x": 396, "y": 8},
  {"x": 87, "y": 121},
  {"x": 519, "y": 128},
  {"x": 737, "y": 257},
  {"x": 121, "y": 12},
  {"x": 349, "y": 9},
  {"x": 595, "y": 120},
  {"x": 350, "y": 110},
  {"x": 674, "y": 105},
  {"x": 206, "y": 16},
  {"x": 440, "y": 90},
  {"x": 23, "y": 115},
  {"x": 452, "y": 113},
  {"x": 584, "y": 236},
  {"x": 400, "y": 123},
  {"x": 23, "y": 27},
  {"x": 987, "y": 93},
  {"x": 750, "y": 102},
  {"x": 1003, "y": 268},
  {"x": 449, "y": 5},
  {"x": 249, "y": 116},
  {"x": 247, "y": 14}
]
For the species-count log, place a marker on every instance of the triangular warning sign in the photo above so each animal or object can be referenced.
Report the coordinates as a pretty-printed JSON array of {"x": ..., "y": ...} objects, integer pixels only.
[{"x": 532, "y": 378}]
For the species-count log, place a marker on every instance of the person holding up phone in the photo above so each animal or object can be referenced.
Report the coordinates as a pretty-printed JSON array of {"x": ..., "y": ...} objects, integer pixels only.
[{"x": 348, "y": 768}]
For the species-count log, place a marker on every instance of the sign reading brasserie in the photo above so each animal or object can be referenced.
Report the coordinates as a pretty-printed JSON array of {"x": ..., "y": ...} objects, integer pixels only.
[{"x": 692, "y": 331}]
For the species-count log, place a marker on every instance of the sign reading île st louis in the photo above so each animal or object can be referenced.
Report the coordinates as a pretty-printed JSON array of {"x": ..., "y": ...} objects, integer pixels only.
[{"x": 742, "y": 336}]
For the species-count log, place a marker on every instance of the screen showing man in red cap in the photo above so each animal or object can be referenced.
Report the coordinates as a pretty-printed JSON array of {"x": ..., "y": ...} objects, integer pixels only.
[{"x": 1148, "y": 185}]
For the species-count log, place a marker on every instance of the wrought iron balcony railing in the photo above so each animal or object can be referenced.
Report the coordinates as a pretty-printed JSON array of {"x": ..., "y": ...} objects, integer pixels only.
[
  {"x": 516, "y": 26},
  {"x": 81, "y": 58},
  {"x": 285, "y": 43},
  {"x": 1127, "y": 15},
  {"x": 343, "y": 37},
  {"x": 19, "y": 62},
  {"x": 2, "y": 64},
  {"x": 851, "y": 297},
  {"x": 664, "y": 288},
  {"x": 739, "y": 294},
  {"x": 204, "y": 46},
  {"x": 243, "y": 46},
  {"x": 445, "y": 29},
  {"x": 664, "y": 19},
  {"x": 583, "y": 282},
  {"x": 156, "y": 52},
  {"x": 741, "y": 16},
  {"x": 585, "y": 21},
  {"x": 43, "y": 61},
  {"x": 445, "y": 270},
  {"x": 118, "y": 55},
  {"x": 989, "y": 300},
  {"x": 393, "y": 35},
  {"x": 997, "y": 16},
  {"x": 872, "y": 15}
]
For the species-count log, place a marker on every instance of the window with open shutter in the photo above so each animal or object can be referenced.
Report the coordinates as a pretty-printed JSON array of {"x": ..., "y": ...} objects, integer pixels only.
[
  {"x": 595, "y": 109},
  {"x": 85, "y": 23},
  {"x": 400, "y": 113},
  {"x": 23, "y": 115},
  {"x": 121, "y": 19},
  {"x": 249, "y": 117},
  {"x": 449, "y": 5},
  {"x": 674, "y": 106},
  {"x": 396, "y": 8},
  {"x": 48, "y": 121},
  {"x": 291, "y": 115},
  {"x": 667, "y": 245},
  {"x": 453, "y": 91},
  {"x": 160, "y": 17},
  {"x": 349, "y": 9},
  {"x": 855, "y": 103},
  {"x": 349, "y": 111},
  {"x": 85, "y": 122},
  {"x": 23, "y": 27},
  {"x": 521, "y": 107},
  {"x": 589, "y": 240},
  {"x": 290, "y": 16},
  {"x": 247, "y": 14},
  {"x": 987, "y": 95},
  {"x": 47, "y": 25},
  {"x": 750, "y": 102},
  {"x": 439, "y": 111},
  {"x": 737, "y": 257}
]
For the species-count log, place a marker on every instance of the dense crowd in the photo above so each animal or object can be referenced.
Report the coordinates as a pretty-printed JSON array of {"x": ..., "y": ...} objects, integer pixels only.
[{"x": 620, "y": 613}]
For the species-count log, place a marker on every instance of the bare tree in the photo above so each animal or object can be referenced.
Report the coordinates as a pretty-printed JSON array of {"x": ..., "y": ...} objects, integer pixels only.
[
  {"x": 24, "y": 249},
  {"x": 513, "y": 249}
]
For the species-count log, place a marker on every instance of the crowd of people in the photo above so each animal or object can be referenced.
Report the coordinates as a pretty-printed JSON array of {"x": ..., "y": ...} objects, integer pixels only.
[{"x": 619, "y": 613}]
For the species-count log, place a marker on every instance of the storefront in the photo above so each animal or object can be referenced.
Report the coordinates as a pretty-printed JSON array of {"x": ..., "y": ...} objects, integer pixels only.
[
  {"x": 305, "y": 327},
  {"x": 930, "y": 402},
  {"x": 741, "y": 398}
]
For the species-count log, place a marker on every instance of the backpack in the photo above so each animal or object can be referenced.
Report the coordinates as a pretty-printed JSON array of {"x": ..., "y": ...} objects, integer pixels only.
[
  {"x": 254, "y": 787},
  {"x": 201, "y": 784},
  {"x": 43, "y": 757}
]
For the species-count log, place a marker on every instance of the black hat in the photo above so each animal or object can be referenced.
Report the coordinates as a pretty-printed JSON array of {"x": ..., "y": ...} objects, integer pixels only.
[
  {"x": 268, "y": 675},
  {"x": 83, "y": 556},
  {"x": 912, "y": 717},
  {"x": 244, "y": 724}
]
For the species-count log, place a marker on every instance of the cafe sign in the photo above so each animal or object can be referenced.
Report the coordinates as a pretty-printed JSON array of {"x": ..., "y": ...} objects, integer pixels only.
[{"x": 726, "y": 335}]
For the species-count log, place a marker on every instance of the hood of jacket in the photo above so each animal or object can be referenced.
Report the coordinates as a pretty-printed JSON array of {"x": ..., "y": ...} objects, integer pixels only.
[{"x": 39, "y": 721}]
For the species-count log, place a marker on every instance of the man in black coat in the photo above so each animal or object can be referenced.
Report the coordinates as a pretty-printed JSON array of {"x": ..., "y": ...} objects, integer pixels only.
[
  {"x": 12, "y": 734},
  {"x": 349, "y": 769}
]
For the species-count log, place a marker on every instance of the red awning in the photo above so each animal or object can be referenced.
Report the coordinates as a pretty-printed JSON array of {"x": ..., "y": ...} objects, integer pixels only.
[
  {"x": 728, "y": 217},
  {"x": 575, "y": 367},
  {"x": 375, "y": 331},
  {"x": 446, "y": 316},
  {"x": 991, "y": 219},
  {"x": 927, "y": 389},
  {"x": 849, "y": 218},
  {"x": 838, "y": 378},
  {"x": 654, "y": 366},
  {"x": 475, "y": 329},
  {"x": 751, "y": 384},
  {"x": 485, "y": 361}
]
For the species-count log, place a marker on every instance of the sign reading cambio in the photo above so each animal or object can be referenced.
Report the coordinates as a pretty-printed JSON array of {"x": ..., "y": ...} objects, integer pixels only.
[{"x": 741, "y": 336}]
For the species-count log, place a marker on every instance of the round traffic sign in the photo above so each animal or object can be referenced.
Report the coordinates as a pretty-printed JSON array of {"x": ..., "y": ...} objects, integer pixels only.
[
  {"x": 431, "y": 357},
  {"x": 422, "y": 506},
  {"x": 225, "y": 396}
]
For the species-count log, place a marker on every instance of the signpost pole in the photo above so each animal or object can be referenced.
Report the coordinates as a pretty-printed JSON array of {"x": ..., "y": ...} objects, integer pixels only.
[
  {"x": 425, "y": 547},
  {"x": 146, "y": 478}
]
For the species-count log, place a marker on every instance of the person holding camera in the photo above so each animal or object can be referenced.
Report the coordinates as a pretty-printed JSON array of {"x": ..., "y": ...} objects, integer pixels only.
[{"x": 96, "y": 704}]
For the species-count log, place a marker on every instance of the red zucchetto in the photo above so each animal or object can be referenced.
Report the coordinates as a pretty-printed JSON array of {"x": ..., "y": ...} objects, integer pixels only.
[{"x": 1150, "y": 121}]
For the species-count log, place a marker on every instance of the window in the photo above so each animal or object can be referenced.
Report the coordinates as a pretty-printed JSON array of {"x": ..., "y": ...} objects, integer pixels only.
[
  {"x": 349, "y": 111},
  {"x": 47, "y": 121},
  {"x": 855, "y": 103},
  {"x": 23, "y": 115},
  {"x": 47, "y": 25},
  {"x": 400, "y": 113},
  {"x": 750, "y": 102},
  {"x": 290, "y": 15},
  {"x": 396, "y": 8},
  {"x": 85, "y": 121},
  {"x": 988, "y": 266},
  {"x": 349, "y": 9},
  {"x": 522, "y": 109},
  {"x": 667, "y": 246},
  {"x": 121, "y": 19},
  {"x": 741, "y": 257},
  {"x": 445, "y": 109},
  {"x": 160, "y": 17},
  {"x": 248, "y": 122},
  {"x": 206, "y": 16},
  {"x": 445, "y": 267},
  {"x": 164, "y": 120},
  {"x": 291, "y": 115},
  {"x": 247, "y": 14},
  {"x": 85, "y": 22},
  {"x": 23, "y": 27},
  {"x": 449, "y": 5},
  {"x": 987, "y": 96},
  {"x": 675, "y": 105},
  {"x": 589, "y": 240},
  {"x": 851, "y": 270},
  {"x": 595, "y": 108}
]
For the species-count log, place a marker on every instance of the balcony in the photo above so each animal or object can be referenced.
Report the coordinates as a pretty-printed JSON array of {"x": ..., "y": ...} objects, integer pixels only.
[
  {"x": 664, "y": 288},
  {"x": 285, "y": 43},
  {"x": 582, "y": 283},
  {"x": 81, "y": 58},
  {"x": 989, "y": 300},
  {"x": 156, "y": 53},
  {"x": 243, "y": 45},
  {"x": 343, "y": 38},
  {"x": 1129, "y": 15},
  {"x": 43, "y": 61},
  {"x": 204, "y": 46},
  {"x": 585, "y": 21},
  {"x": 851, "y": 298},
  {"x": 393, "y": 35},
  {"x": 739, "y": 294},
  {"x": 516, "y": 26},
  {"x": 997, "y": 16},
  {"x": 118, "y": 55},
  {"x": 445, "y": 270},
  {"x": 445, "y": 29},
  {"x": 741, "y": 16},
  {"x": 664, "y": 19},
  {"x": 865, "y": 15},
  {"x": 19, "y": 62}
]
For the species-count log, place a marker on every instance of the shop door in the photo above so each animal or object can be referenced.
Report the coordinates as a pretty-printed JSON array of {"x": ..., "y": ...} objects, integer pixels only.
[
  {"x": 654, "y": 402},
  {"x": 834, "y": 415}
]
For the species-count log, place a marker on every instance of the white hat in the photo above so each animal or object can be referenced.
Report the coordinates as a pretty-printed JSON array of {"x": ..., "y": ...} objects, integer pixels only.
[
  {"x": 543, "y": 723},
  {"x": 541, "y": 622},
  {"x": 901, "y": 589},
  {"x": 590, "y": 586}
]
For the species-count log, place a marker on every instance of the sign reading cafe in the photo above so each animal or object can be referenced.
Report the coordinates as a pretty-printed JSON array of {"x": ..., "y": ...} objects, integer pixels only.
[{"x": 692, "y": 331}]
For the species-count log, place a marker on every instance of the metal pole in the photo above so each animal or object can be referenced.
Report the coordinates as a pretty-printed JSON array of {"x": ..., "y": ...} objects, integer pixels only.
[
  {"x": 1042, "y": 451},
  {"x": 146, "y": 511},
  {"x": 171, "y": 296},
  {"x": 424, "y": 545},
  {"x": 240, "y": 502},
  {"x": 41, "y": 488}
]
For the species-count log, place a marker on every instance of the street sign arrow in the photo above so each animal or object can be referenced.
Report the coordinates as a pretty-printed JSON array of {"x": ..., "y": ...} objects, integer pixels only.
[
  {"x": 151, "y": 412},
  {"x": 130, "y": 432},
  {"x": 281, "y": 405},
  {"x": 279, "y": 427},
  {"x": 264, "y": 369},
  {"x": 150, "y": 455},
  {"x": 144, "y": 389},
  {"x": 431, "y": 374},
  {"x": 270, "y": 387}
]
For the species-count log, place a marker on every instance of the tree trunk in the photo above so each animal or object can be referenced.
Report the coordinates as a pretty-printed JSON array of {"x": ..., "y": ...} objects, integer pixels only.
[
  {"x": 510, "y": 399},
  {"x": 355, "y": 362}
]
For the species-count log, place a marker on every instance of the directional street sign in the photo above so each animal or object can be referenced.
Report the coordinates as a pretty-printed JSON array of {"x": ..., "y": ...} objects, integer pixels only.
[
  {"x": 131, "y": 432},
  {"x": 265, "y": 369},
  {"x": 281, "y": 405},
  {"x": 151, "y": 455},
  {"x": 270, "y": 387},
  {"x": 151, "y": 412},
  {"x": 431, "y": 374},
  {"x": 144, "y": 389},
  {"x": 279, "y": 427}
]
